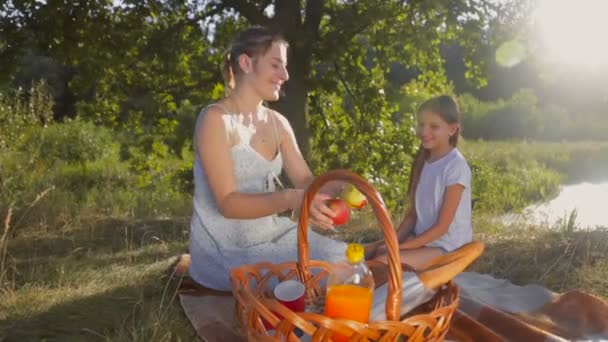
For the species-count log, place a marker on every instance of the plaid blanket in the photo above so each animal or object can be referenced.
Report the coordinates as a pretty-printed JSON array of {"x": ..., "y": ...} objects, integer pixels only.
[
  {"x": 497, "y": 310},
  {"x": 490, "y": 310}
]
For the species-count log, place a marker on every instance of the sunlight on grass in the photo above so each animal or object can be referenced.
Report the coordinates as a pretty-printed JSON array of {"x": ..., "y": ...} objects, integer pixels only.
[
  {"x": 109, "y": 281},
  {"x": 100, "y": 277}
]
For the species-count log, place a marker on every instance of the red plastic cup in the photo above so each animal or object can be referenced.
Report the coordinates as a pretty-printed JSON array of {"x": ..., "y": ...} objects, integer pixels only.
[{"x": 291, "y": 294}]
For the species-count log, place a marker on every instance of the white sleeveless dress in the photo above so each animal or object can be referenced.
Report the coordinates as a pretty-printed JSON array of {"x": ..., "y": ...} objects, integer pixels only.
[{"x": 218, "y": 244}]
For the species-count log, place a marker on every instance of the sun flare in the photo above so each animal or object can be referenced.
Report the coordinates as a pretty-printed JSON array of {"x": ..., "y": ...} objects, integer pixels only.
[{"x": 574, "y": 32}]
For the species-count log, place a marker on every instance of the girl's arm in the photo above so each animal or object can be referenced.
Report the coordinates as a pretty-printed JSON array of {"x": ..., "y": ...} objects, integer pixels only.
[
  {"x": 213, "y": 144},
  {"x": 451, "y": 200},
  {"x": 407, "y": 225},
  {"x": 403, "y": 232}
]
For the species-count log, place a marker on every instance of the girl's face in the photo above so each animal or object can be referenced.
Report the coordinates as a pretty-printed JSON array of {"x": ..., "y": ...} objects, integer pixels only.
[
  {"x": 434, "y": 132},
  {"x": 269, "y": 72}
]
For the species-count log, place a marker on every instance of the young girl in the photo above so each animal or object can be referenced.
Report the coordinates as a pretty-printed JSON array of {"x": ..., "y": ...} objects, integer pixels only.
[
  {"x": 439, "y": 189},
  {"x": 241, "y": 147}
]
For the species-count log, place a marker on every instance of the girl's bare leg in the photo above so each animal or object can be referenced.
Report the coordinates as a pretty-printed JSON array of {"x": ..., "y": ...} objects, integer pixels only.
[{"x": 417, "y": 258}]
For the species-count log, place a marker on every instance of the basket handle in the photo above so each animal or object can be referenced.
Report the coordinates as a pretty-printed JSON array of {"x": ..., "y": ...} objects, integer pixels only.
[{"x": 393, "y": 300}]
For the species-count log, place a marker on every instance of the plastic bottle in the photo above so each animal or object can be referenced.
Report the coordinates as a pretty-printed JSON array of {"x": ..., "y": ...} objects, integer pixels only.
[{"x": 350, "y": 289}]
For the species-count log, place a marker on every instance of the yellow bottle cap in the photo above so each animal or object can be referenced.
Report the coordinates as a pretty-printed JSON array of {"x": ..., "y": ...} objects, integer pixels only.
[{"x": 355, "y": 253}]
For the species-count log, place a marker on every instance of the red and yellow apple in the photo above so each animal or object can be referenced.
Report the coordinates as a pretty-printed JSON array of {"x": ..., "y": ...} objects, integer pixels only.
[
  {"x": 342, "y": 212},
  {"x": 353, "y": 197}
]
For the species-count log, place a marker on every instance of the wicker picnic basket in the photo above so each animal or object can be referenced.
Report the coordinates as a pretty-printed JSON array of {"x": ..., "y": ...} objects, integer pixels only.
[{"x": 255, "y": 305}]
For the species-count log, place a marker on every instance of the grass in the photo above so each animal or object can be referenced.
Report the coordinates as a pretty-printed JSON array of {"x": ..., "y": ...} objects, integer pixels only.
[
  {"x": 107, "y": 279},
  {"x": 97, "y": 279},
  {"x": 102, "y": 275},
  {"x": 561, "y": 257}
]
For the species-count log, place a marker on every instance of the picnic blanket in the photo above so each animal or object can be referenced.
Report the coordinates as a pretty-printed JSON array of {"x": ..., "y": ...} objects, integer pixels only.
[{"x": 490, "y": 310}]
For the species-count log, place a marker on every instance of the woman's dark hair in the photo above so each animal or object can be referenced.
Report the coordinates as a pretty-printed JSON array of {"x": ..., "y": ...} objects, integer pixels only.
[
  {"x": 446, "y": 107},
  {"x": 254, "y": 41}
]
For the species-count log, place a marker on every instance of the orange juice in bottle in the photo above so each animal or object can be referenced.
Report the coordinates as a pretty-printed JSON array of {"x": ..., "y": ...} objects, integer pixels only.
[{"x": 350, "y": 289}]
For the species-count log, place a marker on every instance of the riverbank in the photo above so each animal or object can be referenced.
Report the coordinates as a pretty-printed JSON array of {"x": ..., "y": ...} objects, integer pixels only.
[{"x": 582, "y": 203}]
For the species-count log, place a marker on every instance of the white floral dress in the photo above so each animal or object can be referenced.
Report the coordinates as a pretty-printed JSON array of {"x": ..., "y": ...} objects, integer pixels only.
[{"x": 218, "y": 244}]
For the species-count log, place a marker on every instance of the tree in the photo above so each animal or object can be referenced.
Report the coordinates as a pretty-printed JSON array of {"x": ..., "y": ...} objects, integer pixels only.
[
  {"x": 137, "y": 64},
  {"x": 358, "y": 69},
  {"x": 322, "y": 33}
]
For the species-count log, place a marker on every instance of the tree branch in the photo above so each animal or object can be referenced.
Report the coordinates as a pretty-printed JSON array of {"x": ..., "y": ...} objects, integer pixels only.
[
  {"x": 341, "y": 36},
  {"x": 346, "y": 86}
]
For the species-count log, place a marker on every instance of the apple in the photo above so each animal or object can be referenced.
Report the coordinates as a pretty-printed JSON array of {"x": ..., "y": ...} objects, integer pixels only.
[
  {"x": 341, "y": 209},
  {"x": 353, "y": 197}
]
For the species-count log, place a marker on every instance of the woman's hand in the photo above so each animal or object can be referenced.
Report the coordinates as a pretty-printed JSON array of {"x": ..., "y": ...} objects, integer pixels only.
[{"x": 319, "y": 213}]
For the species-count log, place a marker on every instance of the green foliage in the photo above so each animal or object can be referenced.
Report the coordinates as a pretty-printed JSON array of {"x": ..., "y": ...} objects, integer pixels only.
[
  {"x": 515, "y": 118},
  {"x": 153, "y": 78},
  {"x": 510, "y": 184},
  {"x": 358, "y": 119},
  {"x": 364, "y": 133},
  {"x": 75, "y": 141},
  {"x": 19, "y": 113},
  {"x": 521, "y": 117},
  {"x": 379, "y": 151},
  {"x": 126, "y": 66},
  {"x": 510, "y": 176},
  {"x": 92, "y": 176},
  {"x": 575, "y": 161}
]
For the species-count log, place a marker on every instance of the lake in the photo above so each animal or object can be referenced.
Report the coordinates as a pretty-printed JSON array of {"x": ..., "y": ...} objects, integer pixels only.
[{"x": 589, "y": 199}]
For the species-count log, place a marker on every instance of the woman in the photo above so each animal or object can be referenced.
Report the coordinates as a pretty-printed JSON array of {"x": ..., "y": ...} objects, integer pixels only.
[{"x": 241, "y": 147}]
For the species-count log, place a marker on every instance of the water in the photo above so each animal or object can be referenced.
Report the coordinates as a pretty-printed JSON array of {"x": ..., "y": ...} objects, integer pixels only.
[{"x": 590, "y": 201}]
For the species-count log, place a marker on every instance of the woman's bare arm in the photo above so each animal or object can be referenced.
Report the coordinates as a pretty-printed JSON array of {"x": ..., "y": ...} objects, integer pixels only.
[
  {"x": 213, "y": 144},
  {"x": 300, "y": 175}
]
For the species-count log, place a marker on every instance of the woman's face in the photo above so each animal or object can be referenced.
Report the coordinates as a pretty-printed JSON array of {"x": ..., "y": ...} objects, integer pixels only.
[
  {"x": 270, "y": 72},
  {"x": 434, "y": 132}
]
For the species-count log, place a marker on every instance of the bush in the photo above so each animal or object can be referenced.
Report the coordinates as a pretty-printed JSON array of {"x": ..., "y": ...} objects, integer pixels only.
[
  {"x": 84, "y": 166},
  {"x": 510, "y": 185},
  {"x": 75, "y": 141},
  {"x": 520, "y": 117},
  {"x": 19, "y": 112},
  {"x": 515, "y": 118}
]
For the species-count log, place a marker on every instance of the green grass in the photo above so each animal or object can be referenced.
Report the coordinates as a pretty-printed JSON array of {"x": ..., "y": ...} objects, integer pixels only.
[
  {"x": 108, "y": 279},
  {"x": 102, "y": 279},
  {"x": 561, "y": 257},
  {"x": 91, "y": 274}
]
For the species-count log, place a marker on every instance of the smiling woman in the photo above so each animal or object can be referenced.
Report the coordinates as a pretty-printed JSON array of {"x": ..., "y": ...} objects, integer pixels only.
[{"x": 573, "y": 32}]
